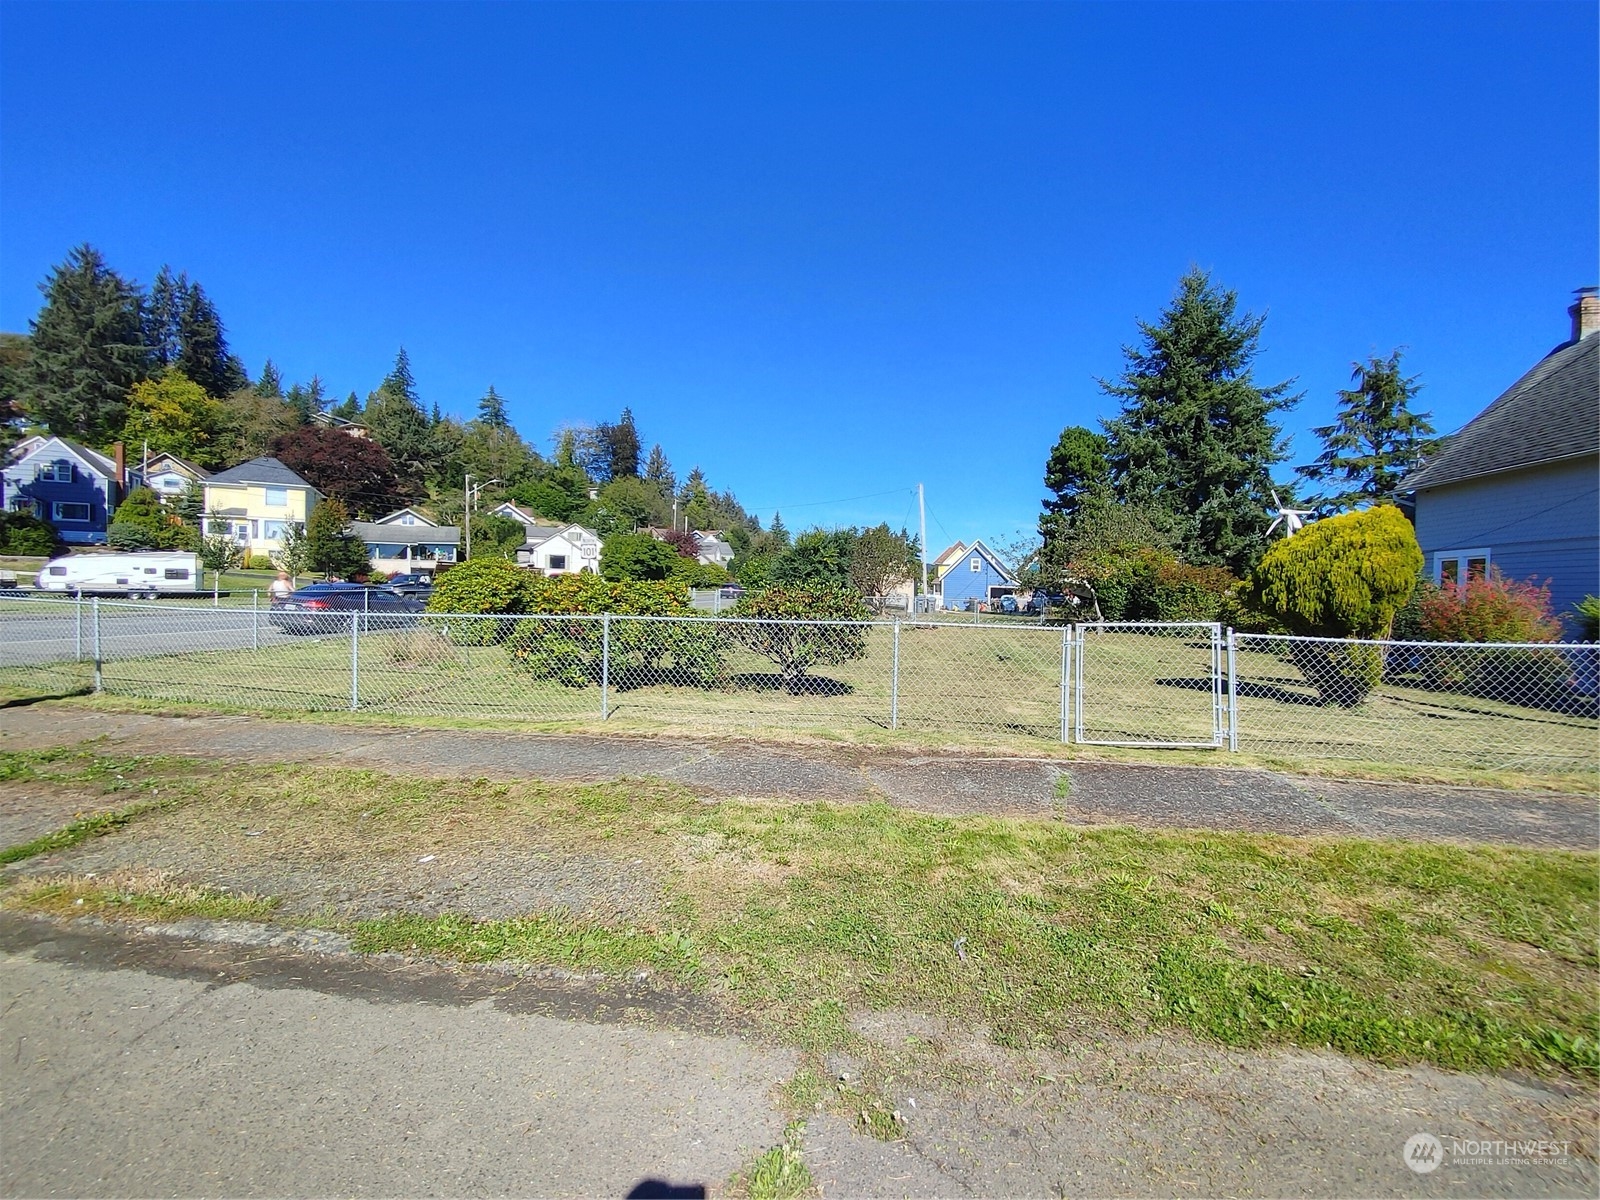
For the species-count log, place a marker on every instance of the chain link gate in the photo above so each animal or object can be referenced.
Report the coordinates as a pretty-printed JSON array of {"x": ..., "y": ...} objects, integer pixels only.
[{"x": 1149, "y": 683}]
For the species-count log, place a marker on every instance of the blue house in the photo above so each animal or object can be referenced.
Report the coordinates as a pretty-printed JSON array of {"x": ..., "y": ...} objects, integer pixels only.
[
  {"x": 1518, "y": 488},
  {"x": 972, "y": 574},
  {"x": 74, "y": 488}
]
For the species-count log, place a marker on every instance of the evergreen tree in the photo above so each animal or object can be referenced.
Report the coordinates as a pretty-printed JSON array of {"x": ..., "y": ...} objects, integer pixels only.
[
  {"x": 87, "y": 349},
  {"x": 1195, "y": 436},
  {"x": 270, "y": 384},
  {"x": 163, "y": 310},
  {"x": 492, "y": 410},
  {"x": 659, "y": 472},
  {"x": 435, "y": 416},
  {"x": 203, "y": 355},
  {"x": 15, "y": 351},
  {"x": 348, "y": 409},
  {"x": 694, "y": 501},
  {"x": 330, "y": 548},
  {"x": 400, "y": 381},
  {"x": 1077, "y": 472},
  {"x": 778, "y": 531},
  {"x": 1376, "y": 439},
  {"x": 622, "y": 447}
]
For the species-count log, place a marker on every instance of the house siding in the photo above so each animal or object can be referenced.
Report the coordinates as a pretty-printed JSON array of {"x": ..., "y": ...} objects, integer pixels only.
[
  {"x": 1541, "y": 524},
  {"x": 252, "y": 498},
  {"x": 961, "y": 583},
  {"x": 87, "y": 487}
]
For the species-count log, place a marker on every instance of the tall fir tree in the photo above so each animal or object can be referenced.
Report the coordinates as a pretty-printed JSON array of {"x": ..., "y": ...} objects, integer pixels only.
[
  {"x": 492, "y": 410},
  {"x": 778, "y": 531},
  {"x": 622, "y": 446},
  {"x": 658, "y": 471},
  {"x": 1196, "y": 437},
  {"x": 203, "y": 354},
  {"x": 395, "y": 418},
  {"x": 163, "y": 314},
  {"x": 400, "y": 382},
  {"x": 87, "y": 349},
  {"x": 270, "y": 384},
  {"x": 1375, "y": 440}
]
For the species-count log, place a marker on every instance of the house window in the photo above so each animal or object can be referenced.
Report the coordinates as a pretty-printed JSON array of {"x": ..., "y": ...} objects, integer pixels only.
[
  {"x": 54, "y": 472},
  {"x": 277, "y": 497},
  {"x": 558, "y": 562},
  {"x": 169, "y": 483},
  {"x": 272, "y": 531},
  {"x": 64, "y": 510},
  {"x": 1452, "y": 568},
  {"x": 976, "y": 564}
]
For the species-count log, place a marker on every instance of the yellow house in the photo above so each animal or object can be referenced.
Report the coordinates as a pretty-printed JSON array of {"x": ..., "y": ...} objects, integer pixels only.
[{"x": 255, "y": 500}]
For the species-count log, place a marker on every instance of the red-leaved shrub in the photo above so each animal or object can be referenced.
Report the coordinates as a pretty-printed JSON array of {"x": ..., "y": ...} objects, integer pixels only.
[{"x": 1490, "y": 608}]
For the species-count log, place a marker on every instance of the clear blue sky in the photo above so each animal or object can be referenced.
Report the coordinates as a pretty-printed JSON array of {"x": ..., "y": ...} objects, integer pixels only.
[{"x": 823, "y": 251}]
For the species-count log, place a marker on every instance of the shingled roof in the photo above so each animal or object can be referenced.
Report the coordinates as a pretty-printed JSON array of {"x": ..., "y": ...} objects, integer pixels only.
[
  {"x": 260, "y": 470},
  {"x": 1550, "y": 414}
]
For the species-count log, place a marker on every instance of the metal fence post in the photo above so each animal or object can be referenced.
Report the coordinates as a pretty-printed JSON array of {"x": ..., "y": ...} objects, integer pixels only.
[
  {"x": 355, "y": 661},
  {"x": 1233, "y": 696},
  {"x": 1066, "y": 682},
  {"x": 94, "y": 618},
  {"x": 605, "y": 666},
  {"x": 255, "y": 619},
  {"x": 894, "y": 681},
  {"x": 77, "y": 642}
]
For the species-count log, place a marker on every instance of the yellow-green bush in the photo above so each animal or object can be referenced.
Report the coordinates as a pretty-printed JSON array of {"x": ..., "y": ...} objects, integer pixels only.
[{"x": 1340, "y": 577}]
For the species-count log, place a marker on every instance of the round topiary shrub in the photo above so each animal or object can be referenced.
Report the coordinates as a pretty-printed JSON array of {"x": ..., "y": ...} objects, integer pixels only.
[
  {"x": 489, "y": 586},
  {"x": 1343, "y": 577}
]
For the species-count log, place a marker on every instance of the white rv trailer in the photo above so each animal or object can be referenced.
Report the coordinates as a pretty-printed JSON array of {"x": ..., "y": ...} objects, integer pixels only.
[{"x": 149, "y": 573}]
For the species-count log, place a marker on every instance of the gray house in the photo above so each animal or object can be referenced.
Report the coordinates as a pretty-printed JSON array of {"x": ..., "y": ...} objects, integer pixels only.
[{"x": 1518, "y": 488}]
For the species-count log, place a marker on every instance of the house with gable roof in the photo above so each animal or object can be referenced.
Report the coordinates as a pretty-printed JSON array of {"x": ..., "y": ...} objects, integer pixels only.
[
  {"x": 73, "y": 487},
  {"x": 254, "y": 501},
  {"x": 552, "y": 548},
  {"x": 170, "y": 476},
  {"x": 971, "y": 574},
  {"x": 1518, "y": 488},
  {"x": 408, "y": 541}
]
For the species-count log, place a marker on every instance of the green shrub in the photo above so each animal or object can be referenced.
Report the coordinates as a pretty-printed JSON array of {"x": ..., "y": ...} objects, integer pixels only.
[
  {"x": 130, "y": 535},
  {"x": 26, "y": 534},
  {"x": 1151, "y": 584},
  {"x": 766, "y": 629},
  {"x": 1346, "y": 576},
  {"x": 574, "y": 651},
  {"x": 636, "y": 556},
  {"x": 1588, "y": 610},
  {"x": 1492, "y": 609},
  {"x": 260, "y": 562},
  {"x": 482, "y": 586}
]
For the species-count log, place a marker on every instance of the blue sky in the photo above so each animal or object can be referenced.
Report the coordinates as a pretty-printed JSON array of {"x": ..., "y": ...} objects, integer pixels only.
[{"x": 823, "y": 251}]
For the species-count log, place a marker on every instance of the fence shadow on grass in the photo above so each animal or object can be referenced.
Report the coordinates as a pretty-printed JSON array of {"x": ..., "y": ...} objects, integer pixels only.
[
  {"x": 1254, "y": 691},
  {"x": 806, "y": 685}
]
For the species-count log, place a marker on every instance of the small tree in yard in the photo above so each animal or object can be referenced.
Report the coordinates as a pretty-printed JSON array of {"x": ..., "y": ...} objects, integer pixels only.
[
  {"x": 219, "y": 552},
  {"x": 778, "y": 624},
  {"x": 1493, "y": 610},
  {"x": 294, "y": 552},
  {"x": 330, "y": 548},
  {"x": 1341, "y": 577}
]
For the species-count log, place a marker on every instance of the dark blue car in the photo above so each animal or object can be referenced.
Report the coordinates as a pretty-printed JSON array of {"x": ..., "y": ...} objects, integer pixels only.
[{"x": 327, "y": 607}]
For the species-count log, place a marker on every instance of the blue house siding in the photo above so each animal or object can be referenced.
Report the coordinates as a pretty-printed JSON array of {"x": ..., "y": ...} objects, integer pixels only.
[
  {"x": 962, "y": 583},
  {"x": 88, "y": 487},
  {"x": 1542, "y": 523}
]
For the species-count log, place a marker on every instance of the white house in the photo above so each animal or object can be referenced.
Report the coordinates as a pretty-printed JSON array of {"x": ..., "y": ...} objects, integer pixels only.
[
  {"x": 714, "y": 551},
  {"x": 560, "y": 550}
]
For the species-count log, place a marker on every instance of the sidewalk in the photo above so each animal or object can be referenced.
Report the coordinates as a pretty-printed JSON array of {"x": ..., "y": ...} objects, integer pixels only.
[{"x": 1220, "y": 798}]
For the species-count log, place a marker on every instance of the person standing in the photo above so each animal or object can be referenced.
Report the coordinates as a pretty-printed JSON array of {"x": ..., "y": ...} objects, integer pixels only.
[{"x": 280, "y": 588}]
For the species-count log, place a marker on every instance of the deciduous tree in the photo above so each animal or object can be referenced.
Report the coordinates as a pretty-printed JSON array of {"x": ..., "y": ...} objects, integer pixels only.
[
  {"x": 176, "y": 415},
  {"x": 355, "y": 471}
]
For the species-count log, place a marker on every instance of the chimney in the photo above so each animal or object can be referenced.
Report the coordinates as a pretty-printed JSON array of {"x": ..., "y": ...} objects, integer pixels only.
[
  {"x": 1585, "y": 313},
  {"x": 122, "y": 467}
]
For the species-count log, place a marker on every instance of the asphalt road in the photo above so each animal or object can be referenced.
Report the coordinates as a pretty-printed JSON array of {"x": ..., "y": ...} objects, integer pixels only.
[{"x": 56, "y": 631}]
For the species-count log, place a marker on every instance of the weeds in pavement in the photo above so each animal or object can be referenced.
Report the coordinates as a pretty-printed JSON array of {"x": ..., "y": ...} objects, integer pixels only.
[
  {"x": 145, "y": 895},
  {"x": 779, "y": 1174}
]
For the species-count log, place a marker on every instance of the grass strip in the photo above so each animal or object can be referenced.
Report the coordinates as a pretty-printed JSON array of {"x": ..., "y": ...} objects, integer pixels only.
[
  {"x": 140, "y": 895},
  {"x": 797, "y": 916},
  {"x": 779, "y": 1174}
]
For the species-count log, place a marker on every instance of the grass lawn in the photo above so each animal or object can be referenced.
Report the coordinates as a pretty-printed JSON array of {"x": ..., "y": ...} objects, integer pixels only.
[
  {"x": 992, "y": 685},
  {"x": 794, "y": 916}
]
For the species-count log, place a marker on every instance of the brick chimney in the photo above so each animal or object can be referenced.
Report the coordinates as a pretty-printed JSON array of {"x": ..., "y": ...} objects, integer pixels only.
[
  {"x": 122, "y": 467},
  {"x": 1585, "y": 313}
]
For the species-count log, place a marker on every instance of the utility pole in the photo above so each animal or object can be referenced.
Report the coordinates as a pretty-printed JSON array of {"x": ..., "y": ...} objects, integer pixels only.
[
  {"x": 922, "y": 527},
  {"x": 466, "y": 514}
]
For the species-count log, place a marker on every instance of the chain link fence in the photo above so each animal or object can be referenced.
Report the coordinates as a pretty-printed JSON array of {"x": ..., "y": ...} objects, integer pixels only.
[{"x": 1529, "y": 708}]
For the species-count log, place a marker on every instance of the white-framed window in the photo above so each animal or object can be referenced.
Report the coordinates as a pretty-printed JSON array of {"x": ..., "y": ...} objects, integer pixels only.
[
  {"x": 66, "y": 510},
  {"x": 558, "y": 562},
  {"x": 168, "y": 483},
  {"x": 59, "y": 471},
  {"x": 976, "y": 564},
  {"x": 1452, "y": 568},
  {"x": 272, "y": 531},
  {"x": 277, "y": 497}
]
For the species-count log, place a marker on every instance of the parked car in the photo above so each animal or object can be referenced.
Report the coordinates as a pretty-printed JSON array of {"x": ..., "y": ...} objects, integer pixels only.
[
  {"x": 731, "y": 591},
  {"x": 1008, "y": 604},
  {"x": 420, "y": 586},
  {"x": 322, "y": 608},
  {"x": 1040, "y": 601}
]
